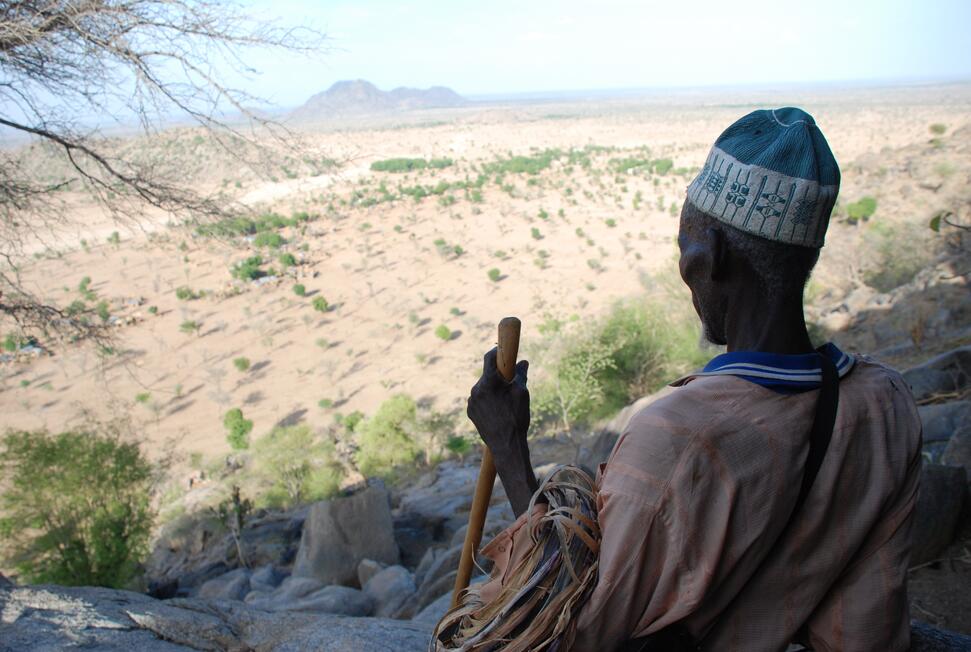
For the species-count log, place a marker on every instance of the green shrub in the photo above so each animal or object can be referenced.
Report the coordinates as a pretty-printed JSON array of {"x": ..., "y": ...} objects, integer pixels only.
[
  {"x": 938, "y": 129},
  {"x": 861, "y": 210},
  {"x": 898, "y": 254},
  {"x": 153, "y": 310},
  {"x": 443, "y": 333},
  {"x": 662, "y": 165},
  {"x": 595, "y": 370},
  {"x": 103, "y": 311},
  {"x": 249, "y": 269},
  {"x": 300, "y": 290},
  {"x": 75, "y": 507},
  {"x": 241, "y": 363},
  {"x": 611, "y": 222},
  {"x": 523, "y": 164},
  {"x": 238, "y": 429},
  {"x": 495, "y": 274},
  {"x": 353, "y": 420},
  {"x": 85, "y": 290},
  {"x": 536, "y": 234},
  {"x": 325, "y": 403},
  {"x": 297, "y": 466},
  {"x": 409, "y": 164},
  {"x": 114, "y": 238},
  {"x": 269, "y": 239},
  {"x": 386, "y": 440},
  {"x": 288, "y": 260},
  {"x": 142, "y": 397},
  {"x": 320, "y": 304},
  {"x": 458, "y": 445},
  {"x": 190, "y": 326},
  {"x": 10, "y": 343},
  {"x": 184, "y": 293}
]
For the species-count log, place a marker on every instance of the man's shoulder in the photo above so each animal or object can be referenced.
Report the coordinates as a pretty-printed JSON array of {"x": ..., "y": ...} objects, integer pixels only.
[
  {"x": 695, "y": 404},
  {"x": 664, "y": 424}
]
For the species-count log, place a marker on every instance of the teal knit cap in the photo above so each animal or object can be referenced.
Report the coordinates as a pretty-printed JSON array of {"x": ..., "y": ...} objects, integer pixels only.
[{"x": 773, "y": 175}]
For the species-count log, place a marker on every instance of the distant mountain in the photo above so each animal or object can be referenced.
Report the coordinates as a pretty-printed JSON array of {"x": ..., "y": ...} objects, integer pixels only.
[{"x": 359, "y": 97}]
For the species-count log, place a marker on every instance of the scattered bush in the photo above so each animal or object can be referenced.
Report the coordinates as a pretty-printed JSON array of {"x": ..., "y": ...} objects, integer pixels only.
[
  {"x": 241, "y": 363},
  {"x": 185, "y": 293},
  {"x": 103, "y": 311},
  {"x": 495, "y": 274},
  {"x": 320, "y": 304},
  {"x": 409, "y": 164},
  {"x": 242, "y": 226},
  {"x": 386, "y": 440},
  {"x": 85, "y": 290},
  {"x": 300, "y": 290},
  {"x": 458, "y": 445},
  {"x": 938, "y": 129},
  {"x": 269, "y": 239},
  {"x": 523, "y": 164},
  {"x": 298, "y": 467},
  {"x": 443, "y": 333},
  {"x": 76, "y": 507},
  {"x": 288, "y": 260},
  {"x": 595, "y": 370},
  {"x": 238, "y": 429},
  {"x": 249, "y": 269},
  {"x": 142, "y": 397},
  {"x": 610, "y": 222},
  {"x": 190, "y": 326},
  {"x": 861, "y": 210},
  {"x": 897, "y": 255},
  {"x": 536, "y": 234},
  {"x": 325, "y": 403}
]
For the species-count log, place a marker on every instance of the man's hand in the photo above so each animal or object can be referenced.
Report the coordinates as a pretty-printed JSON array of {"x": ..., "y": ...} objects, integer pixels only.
[{"x": 500, "y": 412}]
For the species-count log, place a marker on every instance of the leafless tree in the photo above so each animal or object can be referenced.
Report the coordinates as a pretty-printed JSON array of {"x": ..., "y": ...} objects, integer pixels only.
[{"x": 142, "y": 61}]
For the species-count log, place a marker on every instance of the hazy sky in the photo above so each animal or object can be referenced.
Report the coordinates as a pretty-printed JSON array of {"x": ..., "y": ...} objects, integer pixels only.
[{"x": 501, "y": 46}]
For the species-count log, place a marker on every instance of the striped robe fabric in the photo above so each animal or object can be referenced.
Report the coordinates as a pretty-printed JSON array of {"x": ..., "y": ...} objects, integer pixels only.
[{"x": 697, "y": 490}]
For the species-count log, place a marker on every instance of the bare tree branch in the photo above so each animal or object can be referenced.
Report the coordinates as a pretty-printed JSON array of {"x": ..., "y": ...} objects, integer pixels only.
[{"x": 146, "y": 61}]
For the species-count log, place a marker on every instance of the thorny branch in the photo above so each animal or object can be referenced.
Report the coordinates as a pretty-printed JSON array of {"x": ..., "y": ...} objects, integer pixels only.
[{"x": 147, "y": 60}]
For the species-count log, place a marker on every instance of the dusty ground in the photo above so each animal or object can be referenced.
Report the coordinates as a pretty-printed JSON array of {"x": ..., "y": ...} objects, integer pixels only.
[{"x": 389, "y": 284}]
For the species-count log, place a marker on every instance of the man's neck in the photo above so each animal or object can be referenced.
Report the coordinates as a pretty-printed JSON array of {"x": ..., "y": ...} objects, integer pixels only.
[{"x": 755, "y": 324}]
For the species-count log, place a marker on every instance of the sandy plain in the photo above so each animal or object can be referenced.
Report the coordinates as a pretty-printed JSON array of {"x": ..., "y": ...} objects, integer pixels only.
[{"x": 390, "y": 285}]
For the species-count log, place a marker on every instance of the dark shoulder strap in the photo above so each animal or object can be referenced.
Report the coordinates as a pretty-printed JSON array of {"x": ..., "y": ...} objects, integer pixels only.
[
  {"x": 675, "y": 638},
  {"x": 822, "y": 431}
]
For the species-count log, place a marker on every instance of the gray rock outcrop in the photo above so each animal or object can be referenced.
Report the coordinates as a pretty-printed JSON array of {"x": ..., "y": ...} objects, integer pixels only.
[
  {"x": 340, "y": 532},
  {"x": 943, "y": 420},
  {"x": 944, "y": 374},
  {"x": 233, "y": 585},
  {"x": 390, "y": 589},
  {"x": 61, "y": 618},
  {"x": 938, "y": 511}
]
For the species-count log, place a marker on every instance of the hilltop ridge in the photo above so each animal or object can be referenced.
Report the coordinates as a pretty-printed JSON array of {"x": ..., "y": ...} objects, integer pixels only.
[{"x": 360, "y": 97}]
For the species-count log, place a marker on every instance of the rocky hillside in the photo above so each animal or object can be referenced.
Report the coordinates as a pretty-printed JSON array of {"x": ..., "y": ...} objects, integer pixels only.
[
  {"x": 373, "y": 569},
  {"x": 360, "y": 97}
]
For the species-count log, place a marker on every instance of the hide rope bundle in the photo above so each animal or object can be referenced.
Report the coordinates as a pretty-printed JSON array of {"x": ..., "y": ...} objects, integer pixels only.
[{"x": 537, "y": 607}]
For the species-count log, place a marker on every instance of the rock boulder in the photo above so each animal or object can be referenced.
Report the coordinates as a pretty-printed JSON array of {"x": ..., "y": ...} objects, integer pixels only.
[
  {"x": 340, "y": 532},
  {"x": 939, "y": 508},
  {"x": 946, "y": 373},
  {"x": 60, "y": 618}
]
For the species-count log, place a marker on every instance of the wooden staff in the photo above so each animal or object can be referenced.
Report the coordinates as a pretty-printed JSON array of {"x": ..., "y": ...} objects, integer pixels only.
[{"x": 508, "y": 349}]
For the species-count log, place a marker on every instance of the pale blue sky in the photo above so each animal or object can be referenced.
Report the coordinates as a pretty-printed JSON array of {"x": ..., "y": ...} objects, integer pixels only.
[{"x": 502, "y": 46}]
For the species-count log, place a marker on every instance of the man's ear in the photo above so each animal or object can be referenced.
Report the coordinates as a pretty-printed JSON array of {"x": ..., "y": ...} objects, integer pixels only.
[{"x": 717, "y": 253}]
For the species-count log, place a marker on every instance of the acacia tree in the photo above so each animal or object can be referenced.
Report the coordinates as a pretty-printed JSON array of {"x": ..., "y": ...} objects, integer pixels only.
[{"x": 124, "y": 61}]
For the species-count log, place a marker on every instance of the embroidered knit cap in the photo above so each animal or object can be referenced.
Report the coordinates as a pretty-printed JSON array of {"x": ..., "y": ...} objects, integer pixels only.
[{"x": 773, "y": 175}]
